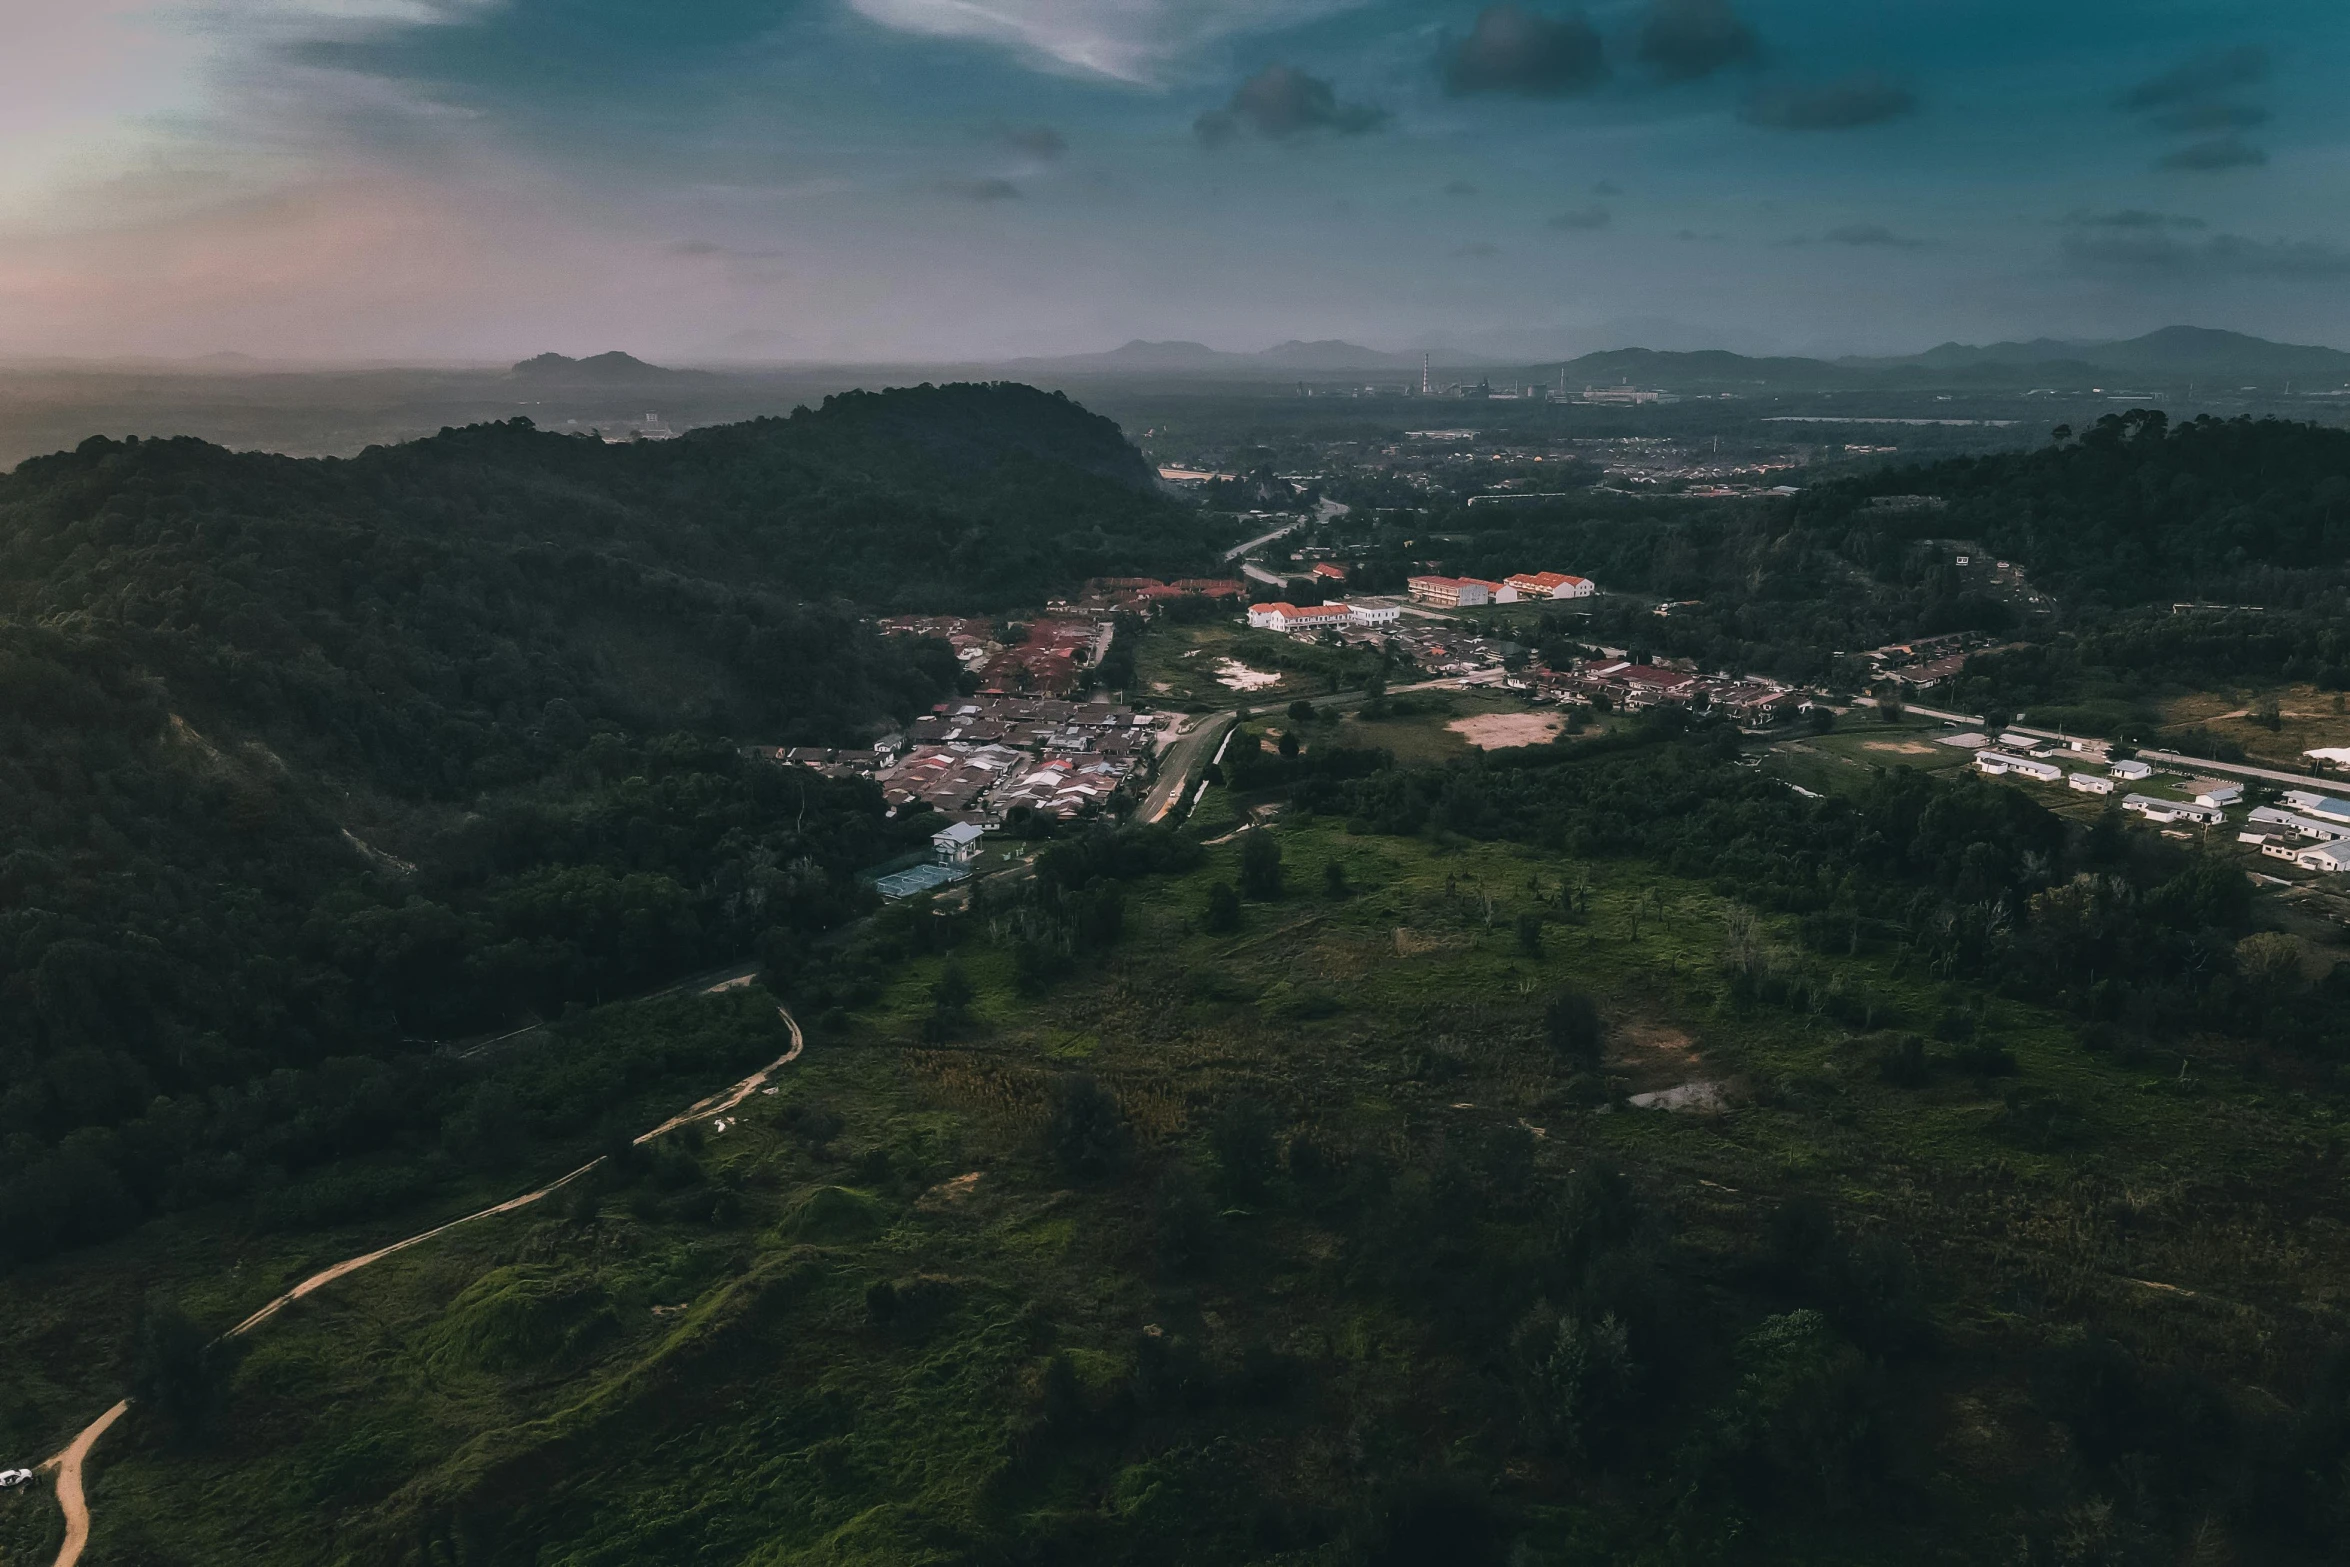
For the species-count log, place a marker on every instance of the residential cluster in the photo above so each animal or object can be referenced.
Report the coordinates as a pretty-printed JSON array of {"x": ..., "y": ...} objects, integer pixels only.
[
  {"x": 977, "y": 759},
  {"x": 1052, "y": 660},
  {"x": 2308, "y": 829},
  {"x": 1620, "y": 683}
]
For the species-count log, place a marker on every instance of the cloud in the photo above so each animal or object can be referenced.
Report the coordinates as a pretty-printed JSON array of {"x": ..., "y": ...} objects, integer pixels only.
[
  {"x": 1479, "y": 250},
  {"x": 1515, "y": 50},
  {"x": 2135, "y": 218},
  {"x": 1130, "y": 41},
  {"x": 1281, "y": 101},
  {"x": 696, "y": 247},
  {"x": 2197, "y": 78},
  {"x": 1866, "y": 235},
  {"x": 1040, "y": 142},
  {"x": 2216, "y": 156},
  {"x": 2160, "y": 252},
  {"x": 1683, "y": 40},
  {"x": 1594, "y": 216},
  {"x": 1864, "y": 98},
  {"x": 1459, "y": 188},
  {"x": 2202, "y": 119},
  {"x": 1607, "y": 188},
  {"x": 981, "y": 188}
]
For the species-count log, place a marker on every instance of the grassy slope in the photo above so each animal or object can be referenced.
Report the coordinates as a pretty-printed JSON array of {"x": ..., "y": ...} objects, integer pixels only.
[{"x": 772, "y": 1421}]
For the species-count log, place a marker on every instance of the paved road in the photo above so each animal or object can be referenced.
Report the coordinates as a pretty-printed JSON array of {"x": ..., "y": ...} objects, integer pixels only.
[
  {"x": 1197, "y": 743},
  {"x": 1239, "y": 550},
  {"x": 71, "y": 1463}
]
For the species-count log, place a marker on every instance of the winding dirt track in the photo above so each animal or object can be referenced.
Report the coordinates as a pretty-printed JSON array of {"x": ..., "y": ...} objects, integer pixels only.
[{"x": 70, "y": 1463}]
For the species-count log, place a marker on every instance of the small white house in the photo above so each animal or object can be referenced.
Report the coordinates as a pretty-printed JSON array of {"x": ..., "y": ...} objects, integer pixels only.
[
  {"x": 1996, "y": 763},
  {"x": 2173, "y": 810},
  {"x": 2090, "y": 783},
  {"x": 2016, "y": 740},
  {"x": 2305, "y": 826},
  {"x": 2221, "y": 794},
  {"x": 959, "y": 844},
  {"x": 2131, "y": 771},
  {"x": 2330, "y": 857}
]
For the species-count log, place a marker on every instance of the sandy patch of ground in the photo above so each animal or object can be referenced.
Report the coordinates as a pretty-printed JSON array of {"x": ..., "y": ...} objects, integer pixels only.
[
  {"x": 1234, "y": 675},
  {"x": 1499, "y": 731},
  {"x": 947, "y": 1193},
  {"x": 1699, "y": 1095},
  {"x": 1898, "y": 747}
]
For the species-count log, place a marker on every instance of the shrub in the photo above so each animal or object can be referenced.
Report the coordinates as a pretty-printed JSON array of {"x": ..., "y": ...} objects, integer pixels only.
[
  {"x": 1571, "y": 1026},
  {"x": 1088, "y": 1138},
  {"x": 1223, "y": 915},
  {"x": 1260, "y": 866}
]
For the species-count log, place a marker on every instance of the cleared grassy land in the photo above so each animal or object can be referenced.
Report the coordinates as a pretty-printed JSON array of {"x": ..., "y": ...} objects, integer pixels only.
[
  {"x": 871, "y": 1324},
  {"x": 1179, "y": 664},
  {"x": 2306, "y": 719}
]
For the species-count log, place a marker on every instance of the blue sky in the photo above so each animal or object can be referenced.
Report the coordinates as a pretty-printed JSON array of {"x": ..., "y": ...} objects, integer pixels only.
[{"x": 927, "y": 179}]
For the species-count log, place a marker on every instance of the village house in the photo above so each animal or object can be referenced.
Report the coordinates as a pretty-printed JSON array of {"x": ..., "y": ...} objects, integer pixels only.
[
  {"x": 1998, "y": 763},
  {"x": 1550, "y": 585},
  {"x": 1448, "y": 592}
]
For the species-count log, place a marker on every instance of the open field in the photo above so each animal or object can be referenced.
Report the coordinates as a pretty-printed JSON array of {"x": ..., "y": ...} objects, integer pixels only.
[
  {"x": 1179, "y": 665},
  {"x": 803, "y": 1339},
  {"x": 2306, "y": 719}
]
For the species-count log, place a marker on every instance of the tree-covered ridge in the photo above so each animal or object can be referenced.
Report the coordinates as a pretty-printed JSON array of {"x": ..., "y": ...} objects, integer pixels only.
[
  {"x": 2135, "y": 510},
  {"x": 308, "y": 761}
]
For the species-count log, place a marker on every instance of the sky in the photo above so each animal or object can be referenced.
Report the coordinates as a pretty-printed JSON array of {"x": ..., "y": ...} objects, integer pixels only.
[{"x": 713, "y": 181}]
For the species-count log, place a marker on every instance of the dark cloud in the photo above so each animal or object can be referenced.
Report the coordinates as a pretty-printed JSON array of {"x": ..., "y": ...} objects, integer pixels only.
[
  {"x": 1594, "y": 216},
  {"x": 1607, "y": 188},
  {"x": 2156, "y": 252},
  {"x": 2216, "y": 156},
  {"x": 1041, "y": 142},
  {"x": 1847, "y": 104},
  {"x": 1479, "y": 251},
  {"x": 1460, "y": 188},
  {"x": 1692, "y": 237},
  {"x": 1683, "y": 40},
  {"x": 1513, "y": 49},
  {"x": 1281, "y": 101},
  {"x": 2204, "y": 119},
  {"x": 984, "y": 188},
  {"x": 2198, "y": 78},
  {"x": 1864, "y": 235},
  {"x": 2135, "y": 218}
]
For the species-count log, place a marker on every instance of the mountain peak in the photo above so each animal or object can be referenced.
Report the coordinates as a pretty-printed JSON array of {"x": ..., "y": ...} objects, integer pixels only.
[{"x": 612, "y": 366}]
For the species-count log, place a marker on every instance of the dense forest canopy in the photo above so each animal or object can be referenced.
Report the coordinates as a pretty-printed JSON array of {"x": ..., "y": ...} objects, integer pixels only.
[{"x": 303, "y": 760}]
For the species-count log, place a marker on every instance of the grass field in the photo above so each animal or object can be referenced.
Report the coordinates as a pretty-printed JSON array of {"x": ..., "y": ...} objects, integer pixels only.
[
  {"x": 2306, "y": 719},
  {"x": 1178, "y": 665},
  {"x": 821, "y": 1336}
]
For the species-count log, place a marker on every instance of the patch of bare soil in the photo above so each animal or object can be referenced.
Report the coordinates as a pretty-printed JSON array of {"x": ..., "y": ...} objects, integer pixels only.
[
  {"x": 1898, "y": 747},
  {"x": 1501, "y": 731}
]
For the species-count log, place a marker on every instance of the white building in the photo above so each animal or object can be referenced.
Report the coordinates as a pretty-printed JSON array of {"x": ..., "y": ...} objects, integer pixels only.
[
  {"x": 2173, "y": 810},
  {"x": 2016, "y": 740},
  {"x": 2209, "y": 793},
  {"x": 2130, "y": 771},
  {"x": 958, "y": 845},
  {"x": 2305, "y": 826},
  {"x": 1373, "y": 614},
  {"x": 2329, "y": 857},
  {"x": 2090, "y": 783},
  {"x": 2318, "y": 804},
  {"x": 1998, "y": 763}
]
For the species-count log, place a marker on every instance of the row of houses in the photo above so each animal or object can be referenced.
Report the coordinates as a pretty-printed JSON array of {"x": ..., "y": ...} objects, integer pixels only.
[
  {"x": 2322, "y": 821},
  {"x": 1321, "y": 617},
  {"x": 1476, "y": 592}
]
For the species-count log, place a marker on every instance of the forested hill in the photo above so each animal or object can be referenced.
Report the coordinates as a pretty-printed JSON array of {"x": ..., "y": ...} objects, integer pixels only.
[
  {"x": 304, "y": 761},
  {"x": 2134, "y": 510}
]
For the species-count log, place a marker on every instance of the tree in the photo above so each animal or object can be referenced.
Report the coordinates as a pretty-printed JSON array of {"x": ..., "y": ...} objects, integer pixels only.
[
  {"x": 1889, "y": 706},
  {"x": 1301, "y": 711},
  {"x": 1246, "y": 1154},
  {"x": 1288, "y": 745},
  {"x": 951, "y": 995},
  {"x": 1087, "y": 1137},
  {"x": 1571, "y": 1026},
  {"x": 1334, "y": 878},
  {"x": 180, "y": 1373},
  {"x": 1223, "y": 916},
  {"x": 1530, "y": 934},
  {"x": 1260, "y": 866}
]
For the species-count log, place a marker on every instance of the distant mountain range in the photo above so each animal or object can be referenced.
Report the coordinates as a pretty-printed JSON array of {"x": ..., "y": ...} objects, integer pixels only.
[{"x": 2176, "y": 354}]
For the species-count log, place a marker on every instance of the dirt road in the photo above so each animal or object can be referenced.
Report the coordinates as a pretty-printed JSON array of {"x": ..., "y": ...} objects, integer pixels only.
[{"x": 70, "y": 1463}]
